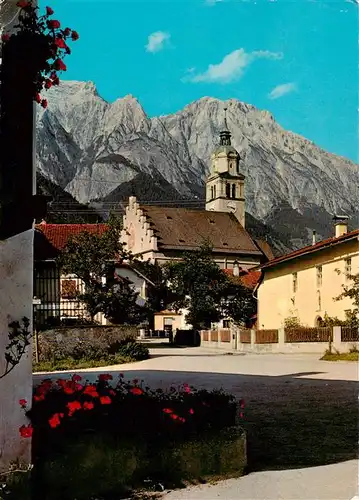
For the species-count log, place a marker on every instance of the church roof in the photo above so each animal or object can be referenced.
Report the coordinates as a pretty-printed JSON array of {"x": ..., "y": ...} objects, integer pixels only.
[
  {"x": 186, "y": 229},
  {"x": 226, "y": 149}
]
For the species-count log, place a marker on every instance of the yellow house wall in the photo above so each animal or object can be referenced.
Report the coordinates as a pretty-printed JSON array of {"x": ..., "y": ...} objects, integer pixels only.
[
  {"x": 160, "y": 321},
  {"x": 277, "y": 301}
]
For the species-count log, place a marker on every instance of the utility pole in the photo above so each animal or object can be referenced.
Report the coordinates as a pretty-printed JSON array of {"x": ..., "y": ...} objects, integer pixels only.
[{"x": 18, "y": 208}]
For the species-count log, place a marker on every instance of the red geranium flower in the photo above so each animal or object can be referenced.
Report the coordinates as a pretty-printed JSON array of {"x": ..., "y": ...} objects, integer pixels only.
[
  {"x": 59, "y": 42},
  {"x": 88, "y": 405},
  {"x": 104, "y": 377},
  {"x": 135, "y": 381},
  {"x": 59, "y": 65},
  {"x": 91, "y": 390},
  {"x": 167, "y": 410},
  {"x": 242, "y": 403},
  {"x": 136, "y": 391},
  {"x": 112, "y": 392},
  {"x": 23, "y": 4},
  {"x": 181, "y": 419},
  {"x": 44, "y": 103},
  {"x": 5, "y": 37},
  {"x": 53, "y": 24},
  {"x": 23, "y": 403},
  {"x": 75, "y": 36},
  {"x": 48, "y": 84},
  {"x": 67, "y": 32},
  {"x": 191, "y": 411},
  {"x": 73, "y": 406},
  {"x": 49, "y": 11},
  {"x": 56, "y": 81},
  {"x": 54, "y": 421},
  {"x": 174, "y": 416},
  {"x": 26, "y": 431},
  {"x": 241, "y": 415},
  {"x": 105, "y": 400},
  {"x": 39, "y": 397}
]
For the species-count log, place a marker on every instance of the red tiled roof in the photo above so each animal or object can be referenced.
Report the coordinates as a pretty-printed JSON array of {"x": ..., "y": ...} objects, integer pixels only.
[
  {"x": 59, "y": 234},
  {"x": 312, "y": 248},
  {"x": 248, "y": 278}
]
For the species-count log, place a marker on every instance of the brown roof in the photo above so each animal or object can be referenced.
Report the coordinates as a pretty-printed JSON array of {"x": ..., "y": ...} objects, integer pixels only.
[
  {"x": 186, "y": 229},
  {"x": 249, "y": 279},
  {"x": 265, "y": 248},
  {"x": 312, "y": 248}
]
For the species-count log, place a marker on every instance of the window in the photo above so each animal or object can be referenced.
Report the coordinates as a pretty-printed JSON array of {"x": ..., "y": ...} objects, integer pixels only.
[
  {"x": 214, "y": 191},
  {"x": 295, "y": 282},
  {"x": 233, "y": 190},
  {"x": 226, "y": 323},
  {"x": 348, "y": 267},
  {"x": 319, "y": 276},
  {"x": 319, "y": 298},
  {"x": 228, "y": 190}
]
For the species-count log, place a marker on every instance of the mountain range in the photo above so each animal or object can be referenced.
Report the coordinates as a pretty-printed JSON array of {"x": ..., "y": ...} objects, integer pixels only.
[{"x": 100, "y": 153}]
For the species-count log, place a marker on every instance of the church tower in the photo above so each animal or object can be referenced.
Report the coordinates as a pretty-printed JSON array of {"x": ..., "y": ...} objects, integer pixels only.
[{"x": 225, "y": 183}]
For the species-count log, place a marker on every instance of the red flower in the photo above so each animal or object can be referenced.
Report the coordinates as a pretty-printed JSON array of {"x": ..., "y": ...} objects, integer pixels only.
[
  {"x": 39, "y": 397},
  {"x": 174, "y": 416},
  {"x": 104, "y": 377},
  {"x": 44, "y": 103},
  {"x": 67, "y": 32},
  {"x": 23, "y": 4},
  {"x": 187, "y": 388},
  {"x": 56, "y": 81},
  {"x": 135, "y": 381},
  {"x": 167, "y": 410},
  {"x": 26, "y": 431},
  {"x": 91, "y": 390},
  {"x": 181, "y": 419},
  {"x": 105, "y": 400},
  {"x": 5, "y": 37},
  {"x": 59, "y": 42},
  {"x": 75, "y": 36},
  {"x": 59, "y": 65},
  {"x": 241, "y": 415},
  {"x": 73, "y": 406},
  {"x": 136, "y": 391},
  {"x": 121, "y": 375},
  {"x": 88, "y": 405},
  {"x": 48, "y": 84},
  {"x": 191, "y": 411},
  {"x": 242, "y": 403},
  {"x": 61, "y": 382},
  {"x": 49, "y": 11},
  {"x": 54, "y": 421},
  {"x": 68, "y": 390},
  {"x": 23, "y": 403},
  {"x": 53, "y": 24},
  {"x": 112, "y": 392}
]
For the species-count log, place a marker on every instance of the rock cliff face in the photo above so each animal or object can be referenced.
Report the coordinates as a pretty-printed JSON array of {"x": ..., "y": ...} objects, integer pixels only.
[{"x": 100, "y": 151}]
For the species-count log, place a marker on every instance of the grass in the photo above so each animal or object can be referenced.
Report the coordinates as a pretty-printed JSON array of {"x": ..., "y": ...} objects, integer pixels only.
[
  {"x": 78, "y": 364},
  {"x": 344, "y": 356}
]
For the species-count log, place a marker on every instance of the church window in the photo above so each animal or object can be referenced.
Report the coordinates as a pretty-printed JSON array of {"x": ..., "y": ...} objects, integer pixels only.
[
  {"x": 233, "y": 190},
  {"x": 228, "y": 190}
]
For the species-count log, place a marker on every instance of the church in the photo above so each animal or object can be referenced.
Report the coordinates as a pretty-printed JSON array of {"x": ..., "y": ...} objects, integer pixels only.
[{"x": 162, "y": 234}]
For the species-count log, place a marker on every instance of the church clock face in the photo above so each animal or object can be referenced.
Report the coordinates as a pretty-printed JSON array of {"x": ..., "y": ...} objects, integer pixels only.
[{"x": 131, "y": 237}]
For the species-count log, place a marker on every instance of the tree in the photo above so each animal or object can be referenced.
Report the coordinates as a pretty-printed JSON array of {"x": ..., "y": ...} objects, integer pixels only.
[
  {"x": 351, "y": 291},
  {"x": 91, "y": 257},
  {"x": 201, "y": 287}
]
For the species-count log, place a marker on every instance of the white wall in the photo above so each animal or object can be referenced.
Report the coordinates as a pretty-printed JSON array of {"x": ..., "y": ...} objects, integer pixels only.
[{"x": 16, "y": 275}]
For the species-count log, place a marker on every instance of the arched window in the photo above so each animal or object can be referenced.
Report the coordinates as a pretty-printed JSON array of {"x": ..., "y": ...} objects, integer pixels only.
[
  {"x": 233, "y": 190},
  {"x": 228, "y": 190}
]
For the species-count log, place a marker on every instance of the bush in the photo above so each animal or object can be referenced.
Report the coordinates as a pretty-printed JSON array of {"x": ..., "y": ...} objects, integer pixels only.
[
  {"x": 99, "y": 440},
  {"x": 132, "y": 350}
]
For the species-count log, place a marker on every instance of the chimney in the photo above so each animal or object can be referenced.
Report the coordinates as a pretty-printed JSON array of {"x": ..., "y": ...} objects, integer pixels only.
[
  {"x": 341, "y": 225},
  {"x": 235, "y": 268},
  {"x": 314, "y": 237}
]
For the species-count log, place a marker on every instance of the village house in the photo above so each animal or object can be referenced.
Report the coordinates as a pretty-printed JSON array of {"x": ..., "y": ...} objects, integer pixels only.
[
  {"x": 55, "y": 294},
  {"x": 304, "y": 283}
]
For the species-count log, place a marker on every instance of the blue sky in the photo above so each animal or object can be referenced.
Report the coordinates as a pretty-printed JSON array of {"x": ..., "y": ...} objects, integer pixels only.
[{"x": 296, "y": 58}]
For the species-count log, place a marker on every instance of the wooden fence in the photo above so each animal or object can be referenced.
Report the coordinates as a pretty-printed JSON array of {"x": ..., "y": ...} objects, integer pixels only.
[
  {"x": 245, "y": 336},
  {"x": 225, "y": 334},
  {"x": 350, "y": 334},
  {"x": 266, "y": 337},
  {"x": 292, "y": 335}
]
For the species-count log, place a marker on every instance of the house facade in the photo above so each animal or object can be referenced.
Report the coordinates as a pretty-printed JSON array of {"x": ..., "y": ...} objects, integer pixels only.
[
  {"x": 304, "y": 283},
  {"x": 55, "y": 294}
]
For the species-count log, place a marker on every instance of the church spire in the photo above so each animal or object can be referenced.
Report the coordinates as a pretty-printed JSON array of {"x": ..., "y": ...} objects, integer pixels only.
[{"x": 225, "y": 135}]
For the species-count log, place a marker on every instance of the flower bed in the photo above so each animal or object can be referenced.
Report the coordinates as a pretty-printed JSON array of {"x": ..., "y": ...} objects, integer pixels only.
[{"x": 98, "y": 440}]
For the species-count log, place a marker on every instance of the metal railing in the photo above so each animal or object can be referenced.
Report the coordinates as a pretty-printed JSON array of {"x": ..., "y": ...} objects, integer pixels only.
[
  {"x": 322, "y": 334},
  {"x": 350, "y": 334}
]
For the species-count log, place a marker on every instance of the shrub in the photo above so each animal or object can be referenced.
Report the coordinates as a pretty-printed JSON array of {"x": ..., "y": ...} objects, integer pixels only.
[
  {"x": 92, "y": 439},
  {"x": 132, "y": 350}
]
